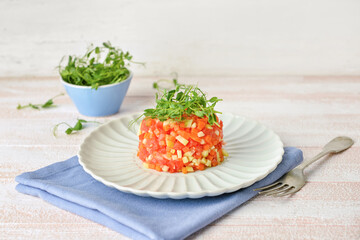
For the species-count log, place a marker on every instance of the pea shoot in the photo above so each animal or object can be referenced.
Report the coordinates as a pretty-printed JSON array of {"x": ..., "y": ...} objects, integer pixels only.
[
  {"x": 183, "y": 100},
  {"x": 77, "y": 127},
  {"x": 91, "y": 70},
  {"x": 49, "y": 103}
]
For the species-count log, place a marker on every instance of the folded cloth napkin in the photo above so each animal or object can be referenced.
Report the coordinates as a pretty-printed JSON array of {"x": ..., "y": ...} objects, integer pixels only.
[{"x": 67, "y": 186}]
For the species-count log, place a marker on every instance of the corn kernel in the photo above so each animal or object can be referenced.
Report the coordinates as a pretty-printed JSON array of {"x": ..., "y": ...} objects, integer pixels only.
[
  {"x": 182, "y": 140},
  {"x": 169, "y": 143},
  {"x": 225, "y": 153},
  {"x": 200, "y": 134},
  {"x": 167, "y": 122},
  {"x": 189, "y": 154},
  {"x": 188, "y": 123},
  {"x": 179, "y": 153},
  {"x": 205, "y": 153}
]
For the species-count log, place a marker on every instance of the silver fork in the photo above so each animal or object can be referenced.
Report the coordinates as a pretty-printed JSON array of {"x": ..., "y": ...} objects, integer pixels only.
[{"x": 294, "y": 180}]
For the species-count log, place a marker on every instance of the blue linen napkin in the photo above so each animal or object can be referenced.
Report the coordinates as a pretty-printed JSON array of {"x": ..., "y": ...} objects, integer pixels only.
[{"x": 67, "y": 186}]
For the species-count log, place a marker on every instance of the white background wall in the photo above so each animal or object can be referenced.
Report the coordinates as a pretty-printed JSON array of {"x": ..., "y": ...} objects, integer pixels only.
[{"x": 235, "y": 37}]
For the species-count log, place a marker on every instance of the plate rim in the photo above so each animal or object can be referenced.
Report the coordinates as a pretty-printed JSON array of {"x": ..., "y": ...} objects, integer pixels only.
[{"x": 178, "y": 195}]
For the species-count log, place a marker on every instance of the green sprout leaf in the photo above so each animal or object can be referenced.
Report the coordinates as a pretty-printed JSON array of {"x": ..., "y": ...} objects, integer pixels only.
[
  {"x": 77, "y": 127},
  {"x": 213, "y": 99},
  {"x": 34, "y": 106},
  {"x": 199, "y": 113},
  {"x": 69, "y": 131},
  {"x": 180, "y": 101},
  {"x": 99, "y": 66},
  {"x": 97, "y": 50},
  {"x": 155, "y": 85},
  {"x": 49, "y": 103}
]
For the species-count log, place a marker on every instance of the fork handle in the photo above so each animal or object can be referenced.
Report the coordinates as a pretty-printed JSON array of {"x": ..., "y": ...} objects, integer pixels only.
[{"x": 306, "y": 163}]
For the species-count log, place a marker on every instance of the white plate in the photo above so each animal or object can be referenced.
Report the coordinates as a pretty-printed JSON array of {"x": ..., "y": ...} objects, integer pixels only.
[{"x": 109, "y": 155}]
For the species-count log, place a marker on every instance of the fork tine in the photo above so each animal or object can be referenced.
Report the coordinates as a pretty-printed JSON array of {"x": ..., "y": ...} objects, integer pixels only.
[
  {"x": 271, "y": 189},
  {"x": 266, "y": 187},
  {"x": 288, "y": 192},
  {"x": 279, "y": 191}
]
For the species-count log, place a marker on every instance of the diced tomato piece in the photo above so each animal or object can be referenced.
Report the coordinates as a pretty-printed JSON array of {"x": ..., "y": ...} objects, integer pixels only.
[
  {"x": 172, "y": 138},
  {"x": 162, "y": 137},
  {"x": 186, "y": 149},
  {"x": 147, "y": 135},
  {"x": 201, "y": 166},
  {"x": 158, "y": 168},
  {"x": 195, "y": 131},
  {"x": 179, "y": 164},
  {"x": 184, "y": 134},
  {"x": 166, "y": 128},
  {"x": 159, "y": 125},
  {"x": 149, "y": 122},
  {"x": 178, "y": 145},
  {"x": 194, "y": 137},
  {"x": 207, "y": 146},
  {"x": 208, "y": 139},
  {"x": 201, "y": 123}
]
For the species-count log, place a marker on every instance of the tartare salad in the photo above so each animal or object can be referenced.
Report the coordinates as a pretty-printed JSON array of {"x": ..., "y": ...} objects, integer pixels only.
[{"x": 182, "y": 133}]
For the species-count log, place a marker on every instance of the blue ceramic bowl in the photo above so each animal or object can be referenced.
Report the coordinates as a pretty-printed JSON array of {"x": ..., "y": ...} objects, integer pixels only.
[{"x": 106, "y": 100}]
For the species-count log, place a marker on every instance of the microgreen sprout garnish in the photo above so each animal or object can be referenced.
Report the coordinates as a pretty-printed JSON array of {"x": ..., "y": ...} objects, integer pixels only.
[
  {"x": 99, "y": 66},
  {"x": 77, "y": 127},
  {"x": 183, "y": 100},
  {"x": 49, "y": 103}
]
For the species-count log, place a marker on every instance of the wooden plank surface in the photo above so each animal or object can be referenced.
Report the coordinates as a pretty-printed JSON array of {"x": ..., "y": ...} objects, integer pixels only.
[{"x": 306, "y": 112}]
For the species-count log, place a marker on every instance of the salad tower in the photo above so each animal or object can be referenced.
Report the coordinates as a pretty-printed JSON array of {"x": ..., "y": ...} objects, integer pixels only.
[{"x": 182, "y": 133}]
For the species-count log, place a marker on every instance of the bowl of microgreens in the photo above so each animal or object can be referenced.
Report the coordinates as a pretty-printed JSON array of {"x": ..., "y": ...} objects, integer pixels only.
[{"x": 98, "y": 81}]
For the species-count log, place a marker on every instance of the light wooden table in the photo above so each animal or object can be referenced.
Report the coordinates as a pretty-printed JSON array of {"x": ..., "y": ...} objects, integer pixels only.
[{"x": 305, "y": 111}]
